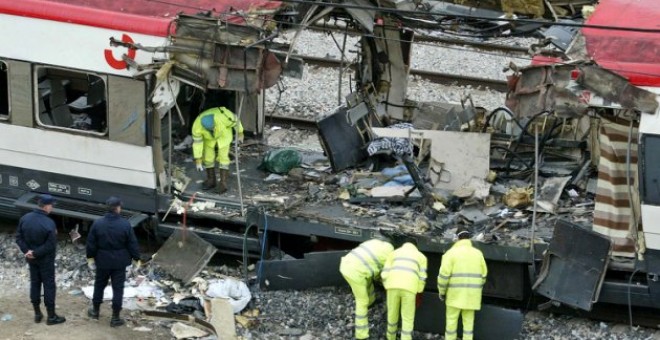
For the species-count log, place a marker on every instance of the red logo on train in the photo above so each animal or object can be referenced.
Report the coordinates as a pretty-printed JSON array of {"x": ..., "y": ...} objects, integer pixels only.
[{"x": 120, "y": 64}]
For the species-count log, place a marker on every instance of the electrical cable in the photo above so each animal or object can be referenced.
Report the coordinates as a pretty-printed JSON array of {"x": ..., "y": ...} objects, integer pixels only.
[
  {"x": 629, "y": 297},
  {"x": 506, "y": 110},
  {"x": 472, "y": 17},
  {"x": 245, "y": 252},
  {"x": 263, "y": 247}
]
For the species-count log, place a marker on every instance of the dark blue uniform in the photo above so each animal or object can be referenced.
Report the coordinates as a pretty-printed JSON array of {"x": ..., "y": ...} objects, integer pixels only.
[
  {"x": 112, "y": 243},
  {"x": 37, "y": 232}
]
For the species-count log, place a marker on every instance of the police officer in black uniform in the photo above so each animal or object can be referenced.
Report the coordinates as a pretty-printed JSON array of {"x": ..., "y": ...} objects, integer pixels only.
[
  {"x": 111, "y": 244},
  {"x": 37, "y": 238}
]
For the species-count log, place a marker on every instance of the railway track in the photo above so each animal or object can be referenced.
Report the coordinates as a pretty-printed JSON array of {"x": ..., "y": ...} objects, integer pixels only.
[
  {"x": 477, "y": 45},
  {"x": 302, "y": 123},
  {"x": 436, "y": 77}
]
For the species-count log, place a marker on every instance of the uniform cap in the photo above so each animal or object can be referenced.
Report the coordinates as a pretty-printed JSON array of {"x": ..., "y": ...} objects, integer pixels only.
[
  {"x": 46, "y": 199},
  {"x": 208, "y": 122},
  {"x": 113, "y": 201}
]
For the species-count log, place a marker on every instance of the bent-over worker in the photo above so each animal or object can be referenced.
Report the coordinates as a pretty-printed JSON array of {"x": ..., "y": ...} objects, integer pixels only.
[
  {"x": 111, "y": 244},
  {"x": 214, "y": 127},
  {"x": 461, "y": 278},
  {"x": 359, "y": 268},
  {"x": 404, "y": 276}
]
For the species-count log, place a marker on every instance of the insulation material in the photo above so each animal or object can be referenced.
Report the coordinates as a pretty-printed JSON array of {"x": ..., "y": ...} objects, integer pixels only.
[{"x": 613, "y": 216}]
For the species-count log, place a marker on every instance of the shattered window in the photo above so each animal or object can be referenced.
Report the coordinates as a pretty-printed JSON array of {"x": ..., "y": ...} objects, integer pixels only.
[
  {"x": 71, "y": 100},
  {"x": 4, "y": 91}
]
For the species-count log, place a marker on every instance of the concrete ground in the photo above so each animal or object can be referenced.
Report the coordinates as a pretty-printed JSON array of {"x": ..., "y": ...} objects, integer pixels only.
[{"x": 78, "y": 326}]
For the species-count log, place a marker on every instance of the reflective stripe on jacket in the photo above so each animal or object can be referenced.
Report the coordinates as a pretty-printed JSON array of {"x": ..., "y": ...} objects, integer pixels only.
[
  {"x": 462, "y": 276},
  {"x": 223, "y": 123},
  {"x": 366, "y": 260},
  {"x": 405, "y": 269}
]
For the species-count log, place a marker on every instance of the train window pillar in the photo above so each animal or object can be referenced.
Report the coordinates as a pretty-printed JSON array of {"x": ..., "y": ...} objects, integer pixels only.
[
  {"x": 71, "y": 100},
  {"x": 4, "y": 91}
]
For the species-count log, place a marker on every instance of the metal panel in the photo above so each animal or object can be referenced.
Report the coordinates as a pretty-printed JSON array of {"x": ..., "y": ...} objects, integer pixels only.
[
  {"x": 343, "y": 143},
  {"x": 78, "y": 209},
  {"x": 20, "y": 84},
  {"x": 184, "y": 255},
  {"x": 227, "y": 241},
  {"x": 127, "y": 110},
  {"x": 468, "y": 155},
  {"x": 77, "y": 188},
  {"x": 574, "y": 266},
  {"x": 314, "y": 270},
  {"x": 491, "y": 322}
]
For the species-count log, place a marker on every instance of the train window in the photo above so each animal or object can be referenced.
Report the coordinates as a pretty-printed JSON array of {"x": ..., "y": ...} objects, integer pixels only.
[
  {"x": 71, "y": 100},
  {"x": 4, "y": 91},
  {"x": 650, "y": 173}
]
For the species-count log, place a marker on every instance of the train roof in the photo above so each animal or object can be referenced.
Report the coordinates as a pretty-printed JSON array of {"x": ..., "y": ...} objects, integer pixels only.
[
  {"x": 151, "y": 17},
  {"x": 632, "y": 54}
]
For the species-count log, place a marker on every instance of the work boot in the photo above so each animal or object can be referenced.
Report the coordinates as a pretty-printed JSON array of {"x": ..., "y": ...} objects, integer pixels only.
[
  {"x": 210, "y": 179},
  {"x": 38, "y": 316},
  {"x": 54, "y": 319},
  {"x": 93, "y": 312},
  {"x": 222, "y": 187},
  {"x": 116, "y": 321}
]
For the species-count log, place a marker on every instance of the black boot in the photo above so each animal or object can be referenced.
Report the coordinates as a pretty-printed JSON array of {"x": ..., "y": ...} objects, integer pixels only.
[
  {"x": 54, "y": 319},
  {"x": 93, "y": 312},
  {"x": 38, "y": 316},
  {"x": 210, "y": 179},
  {"x": 116, "y": 321},
  {"x": 222, "y": 187}
]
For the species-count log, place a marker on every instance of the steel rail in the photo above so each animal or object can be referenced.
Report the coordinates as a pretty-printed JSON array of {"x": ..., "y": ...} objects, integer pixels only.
[
  {"x": 435, "y": 77},
  {"x": 484, "y": 46}
]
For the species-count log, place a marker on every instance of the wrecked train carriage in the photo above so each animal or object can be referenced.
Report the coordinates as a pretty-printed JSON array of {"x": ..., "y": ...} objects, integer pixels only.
[
  {"x": 614, "y": 92},
  {"x": 91, "y": 120}
]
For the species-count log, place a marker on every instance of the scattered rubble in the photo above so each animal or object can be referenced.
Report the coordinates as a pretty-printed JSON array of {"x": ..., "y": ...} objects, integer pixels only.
[{"x": 313, "y": 314}]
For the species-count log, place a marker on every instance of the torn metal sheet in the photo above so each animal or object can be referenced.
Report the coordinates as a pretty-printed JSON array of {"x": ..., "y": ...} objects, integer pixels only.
[
  {"x": 441, "y": 116},
  {"x": 616, "y": 88},
  {"x": 549, "y": 193},
  {"x": 474, "y": 215},
  {"x": 456, "y": 157},
  {"x": 343, "y": 142},
  {"x": 314, "y": 270},
  {"x": 574, "y": 266},
  {"x": 490, "y": 323},
  {"x": 184, "y": 255},
  {"x": 568, "y": 90},
  {"x": 363, "y": 16}
]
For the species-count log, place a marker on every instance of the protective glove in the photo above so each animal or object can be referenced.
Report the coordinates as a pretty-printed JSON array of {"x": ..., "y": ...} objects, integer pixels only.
[
  {"x": 442, "y": 297},
  {"x": 198, "y": 165},
  {"x": 91, "y": 264},
  {"x": 137, "y": 264},
  {"x": 241, "y": 138}
]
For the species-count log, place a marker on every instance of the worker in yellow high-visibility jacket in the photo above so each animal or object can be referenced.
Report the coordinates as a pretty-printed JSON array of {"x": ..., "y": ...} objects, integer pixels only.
[
  {"x": 214, "y": 128},
  {"x": 360, "y": 267},
  {"x": 404, "y": 276},
  {"x": 460, "y": 279}
]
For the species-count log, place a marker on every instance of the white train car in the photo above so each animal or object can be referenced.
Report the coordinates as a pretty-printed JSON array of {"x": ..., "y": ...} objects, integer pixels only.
[{"x": 74, "y": 122}]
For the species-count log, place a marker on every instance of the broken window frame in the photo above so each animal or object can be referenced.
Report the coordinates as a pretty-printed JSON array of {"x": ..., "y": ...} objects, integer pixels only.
[
  {"x": 37, "y": 108},
  {"x": 4, "y": 67}
]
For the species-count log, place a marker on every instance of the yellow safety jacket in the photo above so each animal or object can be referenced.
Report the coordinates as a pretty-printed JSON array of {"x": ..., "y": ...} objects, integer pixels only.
[
  {"x": 405, "y": 269},
  {"x": 224, "y": 121},
  {"x": 462, "y": 276},
  {"x": 366, "y": 261}
]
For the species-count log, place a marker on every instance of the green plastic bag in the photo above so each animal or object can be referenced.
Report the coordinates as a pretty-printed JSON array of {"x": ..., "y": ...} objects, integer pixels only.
[{"x": 281, "y": 161}]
